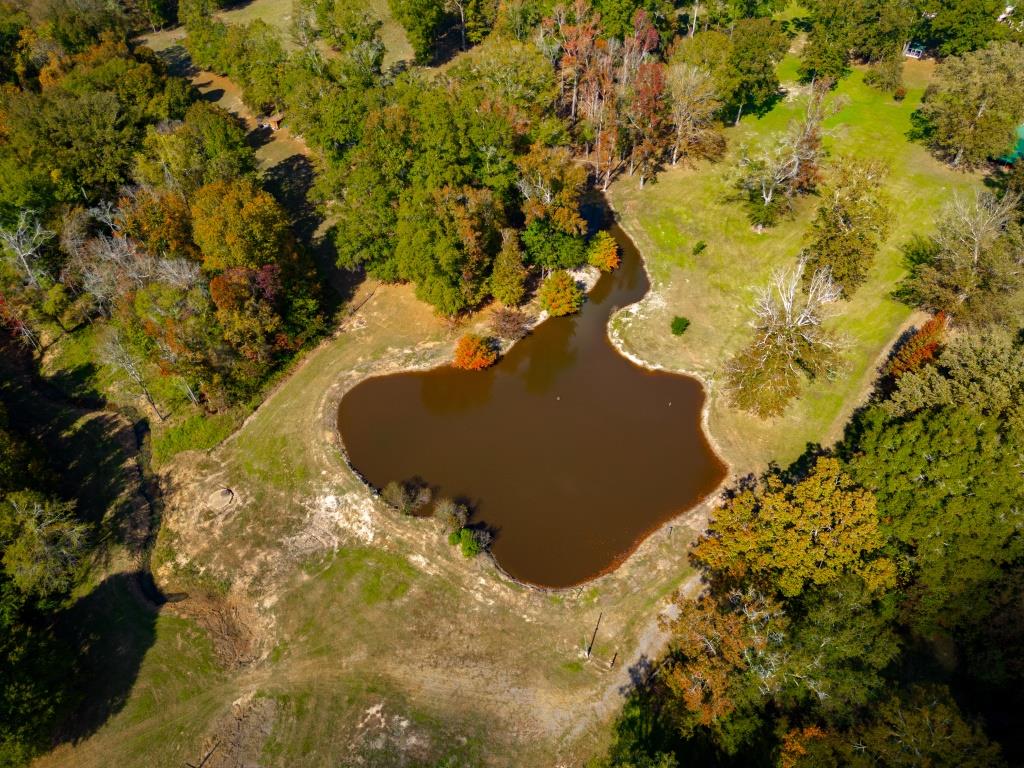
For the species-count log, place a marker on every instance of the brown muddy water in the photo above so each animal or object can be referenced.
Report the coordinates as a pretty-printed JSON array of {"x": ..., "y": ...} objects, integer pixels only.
[{"x": 566, "y": 450}]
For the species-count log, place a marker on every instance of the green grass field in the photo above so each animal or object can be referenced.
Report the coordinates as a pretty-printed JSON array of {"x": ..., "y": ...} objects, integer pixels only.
[{"x": 715, "y": 289}]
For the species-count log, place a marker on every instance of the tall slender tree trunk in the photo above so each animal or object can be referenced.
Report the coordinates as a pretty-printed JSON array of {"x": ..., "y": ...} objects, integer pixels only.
[
  {"x": 693, "y": 22},
  {"x": 28, "y": 270}
]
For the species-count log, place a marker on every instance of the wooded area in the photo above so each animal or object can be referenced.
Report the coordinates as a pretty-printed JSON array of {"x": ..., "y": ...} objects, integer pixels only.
[{"x": 859, "y": 607}]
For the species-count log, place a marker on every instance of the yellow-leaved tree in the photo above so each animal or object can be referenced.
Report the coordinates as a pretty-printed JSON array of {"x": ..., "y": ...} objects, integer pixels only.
[{"x": 791, "y": 535}]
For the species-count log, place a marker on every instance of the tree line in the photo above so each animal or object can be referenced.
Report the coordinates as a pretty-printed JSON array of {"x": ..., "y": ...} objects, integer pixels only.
[{"x": 862, "y": 606}]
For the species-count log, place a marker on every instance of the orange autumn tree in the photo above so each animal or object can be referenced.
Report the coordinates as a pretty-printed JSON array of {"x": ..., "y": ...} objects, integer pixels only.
[
  {"x": 559, "y": 295},
  {"x": 715, "y": 641},
  {"x": 603, "y": 252},
  {"x": 921, "y": 348},
  {"x": 794, "y": 535},
  {"x": 474, "y": 352}
]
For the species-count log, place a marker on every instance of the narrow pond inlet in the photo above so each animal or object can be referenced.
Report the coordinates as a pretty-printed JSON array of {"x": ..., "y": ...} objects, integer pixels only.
[{"x": 566, "y": 450}]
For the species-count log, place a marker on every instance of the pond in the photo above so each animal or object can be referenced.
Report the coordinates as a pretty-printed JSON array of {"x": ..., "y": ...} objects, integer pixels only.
[{"x": 566, "y": 450}]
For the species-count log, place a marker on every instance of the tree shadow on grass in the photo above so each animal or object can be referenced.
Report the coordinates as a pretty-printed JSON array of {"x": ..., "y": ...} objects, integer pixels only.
[
  {"x": 110, "y": 630},
  {"x": 178, "y": 61},
  {"x": 92, "y": 460}
]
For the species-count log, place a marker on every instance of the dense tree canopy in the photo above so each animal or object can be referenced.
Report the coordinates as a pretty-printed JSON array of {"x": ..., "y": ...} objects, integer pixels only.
[{"x": 975, "y": 104}]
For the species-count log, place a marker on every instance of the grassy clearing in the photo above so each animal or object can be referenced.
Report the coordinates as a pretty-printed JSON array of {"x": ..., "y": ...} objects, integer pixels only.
[{"x": 715, "y": 288}]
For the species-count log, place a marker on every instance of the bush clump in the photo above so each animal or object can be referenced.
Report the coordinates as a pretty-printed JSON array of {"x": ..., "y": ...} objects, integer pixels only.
[
  {"x": 679, "y": 325},
  {"x": 407, "y": 498},
  {"x": 452, "y": 516},
  {"x": 470, "y": 542},
  {"x": 474, "y": 352},
  {"x": 559, "y": 295},
  {"x": 699, "y": 247},
  {"x": 510, "y": 324}
]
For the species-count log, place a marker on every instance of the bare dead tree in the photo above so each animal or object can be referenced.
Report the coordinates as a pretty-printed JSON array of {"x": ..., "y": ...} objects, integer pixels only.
[
  {"x": 107, "y": 214},
  {"x": 971, "y": 226},
  {"x": 115, "y": 352},
  {"x": 790, "y": 341},
  {"x": 181, "y": 273},
  {"x": 789, "y": 318},
  {"x": 693, "y": 106},
  {"x": 789, "y": 164},
  {"x": 24, "y": 242},
  {"x": 12, "y": 318}
]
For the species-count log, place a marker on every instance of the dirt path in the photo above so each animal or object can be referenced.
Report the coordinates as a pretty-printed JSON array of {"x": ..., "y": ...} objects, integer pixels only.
[{"x": 272, "y": 147}]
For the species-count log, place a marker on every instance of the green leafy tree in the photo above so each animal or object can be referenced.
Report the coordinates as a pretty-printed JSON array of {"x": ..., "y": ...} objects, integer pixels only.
[
  {"x": 794, "y": 535},
  {"x": 517, "y": 73},
  {"x": 975, "y": 104},
  {"x": 551, "y": 248},
  {"x": 960, "y": 26},
  {"x": 44, "y": 543},
  {"x": 237, "y": 224},
  {"x": 508, "y": 280},
  {"x": 618, "y": 16},
  {"x": 923, "y": 726},
  {"x": 851, "y": 223},
  {"x": 977, "y": 371},
  {"x": 941, "y": 476},
  {"x": 422, "y": 21},
  {"x": 750, "y": 71},
  {"x": 829, "y": 40},
  {"x": 208, "y": 146}
]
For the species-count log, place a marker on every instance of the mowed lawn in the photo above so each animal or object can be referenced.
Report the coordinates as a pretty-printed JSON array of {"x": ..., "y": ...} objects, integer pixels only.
[{"x": 716, "y": 288}]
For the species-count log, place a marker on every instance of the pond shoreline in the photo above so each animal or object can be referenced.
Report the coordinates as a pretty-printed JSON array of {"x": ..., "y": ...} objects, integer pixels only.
[{"x": 685, "y": 517}]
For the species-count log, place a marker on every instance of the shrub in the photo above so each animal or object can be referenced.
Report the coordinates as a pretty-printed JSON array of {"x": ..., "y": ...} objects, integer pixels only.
[
  {"x": 452, "y": 516},
  {"x": 886, "y": 75},
  {"x": 679, "y": 325},
  {"x": 474, "y": 353},
  {"x": 603, "y": 252},
  {"x": 405, "y": 497},
  {"x": 699, "y": 248},
  {"x": 397, "y": 496},
  {"x": 559, "y": 295},
  {"x": 510, "y": 324},
  {"x": 470, "y": 542}
]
